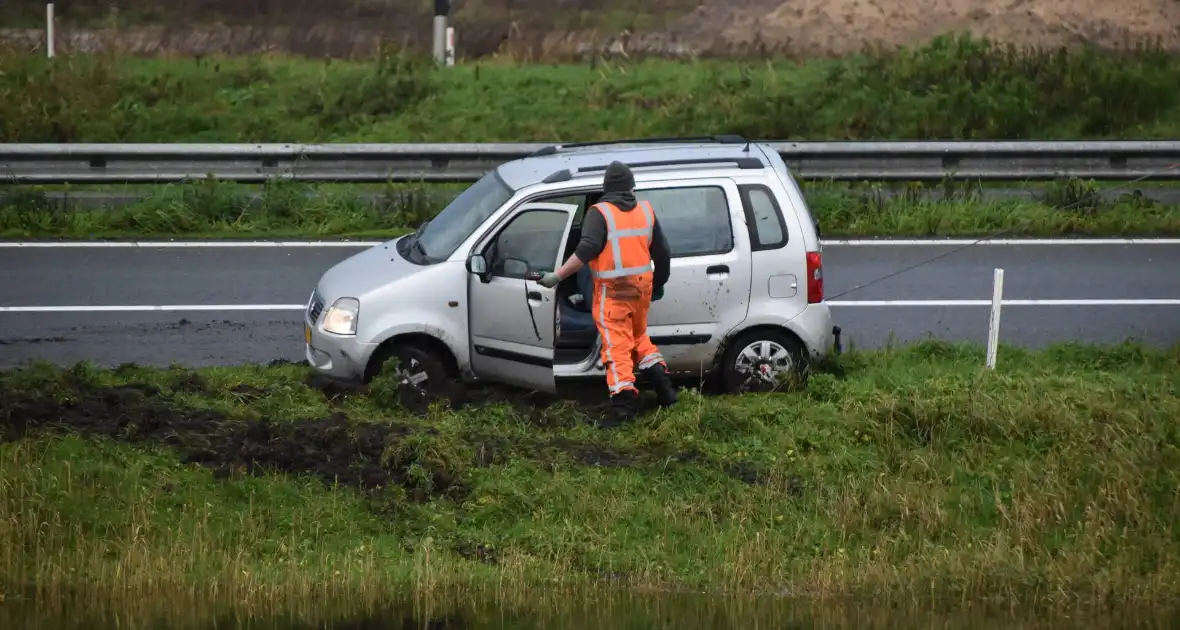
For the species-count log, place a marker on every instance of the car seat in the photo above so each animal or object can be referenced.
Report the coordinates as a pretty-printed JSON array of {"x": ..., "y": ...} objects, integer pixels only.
[{"x": 577, "y": 323}]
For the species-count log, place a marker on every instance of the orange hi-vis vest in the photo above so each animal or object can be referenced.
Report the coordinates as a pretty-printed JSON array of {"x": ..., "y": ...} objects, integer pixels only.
[{"x": 627, "y": 251}]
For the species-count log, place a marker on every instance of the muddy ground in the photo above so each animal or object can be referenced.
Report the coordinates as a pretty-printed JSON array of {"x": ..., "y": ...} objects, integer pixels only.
[
  {"x": 374, "y": 456},
  {"x": 527, "y": 29}
]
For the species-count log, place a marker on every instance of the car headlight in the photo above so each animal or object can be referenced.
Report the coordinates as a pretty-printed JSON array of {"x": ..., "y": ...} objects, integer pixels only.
[{"x": 341, "y": 316}]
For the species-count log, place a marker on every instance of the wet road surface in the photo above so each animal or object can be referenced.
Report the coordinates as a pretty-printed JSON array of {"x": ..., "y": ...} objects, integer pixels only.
[{"x": 269, "y": 285}]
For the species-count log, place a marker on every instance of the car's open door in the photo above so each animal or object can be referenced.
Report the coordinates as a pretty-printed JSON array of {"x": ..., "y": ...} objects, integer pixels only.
[{"x": 511, "y": 317}]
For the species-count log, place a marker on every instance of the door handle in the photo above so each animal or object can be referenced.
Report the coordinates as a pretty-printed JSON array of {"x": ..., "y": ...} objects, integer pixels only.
[
  {"x": 717, "y": 269},
  {"x": 534, "y": 295}
]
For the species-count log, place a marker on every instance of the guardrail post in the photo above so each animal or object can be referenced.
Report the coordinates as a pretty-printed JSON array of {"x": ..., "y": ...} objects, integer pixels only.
[
  {"x": 993, "y": 326},
  {"x": 49, "y": 43}
]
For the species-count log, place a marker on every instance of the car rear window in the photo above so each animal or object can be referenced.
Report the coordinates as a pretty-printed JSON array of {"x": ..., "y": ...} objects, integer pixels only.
[{"x": 768, "y": 230}]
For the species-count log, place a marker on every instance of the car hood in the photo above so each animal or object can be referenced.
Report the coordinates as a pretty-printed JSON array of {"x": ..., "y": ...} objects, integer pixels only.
[{"x": 366, "y": 271}]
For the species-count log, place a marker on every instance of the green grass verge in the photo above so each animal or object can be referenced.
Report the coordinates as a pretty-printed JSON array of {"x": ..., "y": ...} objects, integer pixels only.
[
  {"x": 903, "y": 473},
  {"x": 284, "y": 209},
  {"x": 951, "y": 88}
]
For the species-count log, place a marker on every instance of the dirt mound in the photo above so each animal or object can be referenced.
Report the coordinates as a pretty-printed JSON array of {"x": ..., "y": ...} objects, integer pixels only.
[
  {"x": 828, "y": 27},
  {"x": 590, "y": 402},
  {"x": 716, "y": 27}
]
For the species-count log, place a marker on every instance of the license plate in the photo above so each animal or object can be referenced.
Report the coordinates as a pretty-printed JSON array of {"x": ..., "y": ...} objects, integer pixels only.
[{"x": 307, "y": 334}]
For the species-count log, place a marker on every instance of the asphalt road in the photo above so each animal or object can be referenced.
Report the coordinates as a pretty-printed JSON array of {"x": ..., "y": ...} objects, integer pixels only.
[{"x": 245, "y": 276}]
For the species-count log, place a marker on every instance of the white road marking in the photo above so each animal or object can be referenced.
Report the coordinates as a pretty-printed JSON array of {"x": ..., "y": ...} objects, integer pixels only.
[
  {"x": 834, "y": 303},
  {"x": 180, "y": 244},
  {"x": 936, "y": 303},
  {"x": 150, "y": 308},
  {"x": 954, "y": 242}
]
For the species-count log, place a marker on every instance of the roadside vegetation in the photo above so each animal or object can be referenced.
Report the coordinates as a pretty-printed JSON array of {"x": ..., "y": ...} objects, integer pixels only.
[
  {"x": 325, "y": 27},
  {"x": 286, "y": 209},
  {"x": 903, "y": 473},
  {"x": 954, "y": 87}
]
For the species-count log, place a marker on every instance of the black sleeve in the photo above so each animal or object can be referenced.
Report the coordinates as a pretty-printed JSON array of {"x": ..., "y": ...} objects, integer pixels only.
[
  {"x": 593, "y": 236},
  {"x": 661, "y": 256}
]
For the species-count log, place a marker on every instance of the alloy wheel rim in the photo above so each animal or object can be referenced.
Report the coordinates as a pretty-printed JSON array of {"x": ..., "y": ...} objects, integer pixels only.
[
  {"x": 763, "y": 363},
  {"x": 414, "y": 375}
]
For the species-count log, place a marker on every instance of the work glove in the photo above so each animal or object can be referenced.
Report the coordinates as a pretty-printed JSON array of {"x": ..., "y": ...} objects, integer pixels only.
[
  {"x": 656, "y": 294},
  {"x": 549, "y": 280}
]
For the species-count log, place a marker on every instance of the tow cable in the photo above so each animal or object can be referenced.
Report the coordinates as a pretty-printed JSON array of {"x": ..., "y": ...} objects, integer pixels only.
[{"x": 998, "y": 233}]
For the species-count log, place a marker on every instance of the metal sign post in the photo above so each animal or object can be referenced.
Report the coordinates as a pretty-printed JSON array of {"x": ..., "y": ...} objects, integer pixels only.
[{"x": 441, "y": 9}]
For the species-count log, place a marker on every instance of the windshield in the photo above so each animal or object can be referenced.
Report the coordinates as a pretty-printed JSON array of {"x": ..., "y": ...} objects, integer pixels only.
[{"x": 440, "y": 236}]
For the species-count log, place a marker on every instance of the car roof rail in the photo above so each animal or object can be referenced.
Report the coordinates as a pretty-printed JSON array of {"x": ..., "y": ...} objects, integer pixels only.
[
  {"x": 745, "y": 163},
  {"x": 742, "y": 163},
  {"x": 717, "y": 139}
]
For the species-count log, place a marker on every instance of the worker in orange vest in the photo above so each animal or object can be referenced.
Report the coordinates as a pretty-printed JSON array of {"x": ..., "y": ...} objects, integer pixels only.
[{"x": 629, "y": 262}]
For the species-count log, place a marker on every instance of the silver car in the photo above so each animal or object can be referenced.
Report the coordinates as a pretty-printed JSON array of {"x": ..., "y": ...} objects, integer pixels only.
[{"x": 458, "y": 299}]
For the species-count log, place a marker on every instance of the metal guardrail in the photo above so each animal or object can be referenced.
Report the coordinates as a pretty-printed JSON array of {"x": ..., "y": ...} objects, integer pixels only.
[{"x": 375, "y": 163}]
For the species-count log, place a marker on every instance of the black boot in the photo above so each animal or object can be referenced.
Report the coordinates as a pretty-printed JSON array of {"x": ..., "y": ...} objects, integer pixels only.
[
  {"x": 623, "y": 407},
  {"x": 665, "y": 390}
]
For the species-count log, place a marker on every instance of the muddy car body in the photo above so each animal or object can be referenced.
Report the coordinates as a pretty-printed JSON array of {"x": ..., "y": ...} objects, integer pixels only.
[{"x": 458, "y": 299}]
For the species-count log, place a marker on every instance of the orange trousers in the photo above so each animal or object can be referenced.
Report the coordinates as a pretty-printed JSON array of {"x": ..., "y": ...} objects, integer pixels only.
[{"x": 620, "y": 313}]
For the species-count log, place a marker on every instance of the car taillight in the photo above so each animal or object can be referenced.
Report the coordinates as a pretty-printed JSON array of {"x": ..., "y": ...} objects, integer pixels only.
[{"x": 815, "y": 278}]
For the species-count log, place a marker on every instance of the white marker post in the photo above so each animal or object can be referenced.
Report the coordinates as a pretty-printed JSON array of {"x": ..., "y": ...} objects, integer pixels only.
[
  {"x": 993, "y": 326},
  {"x": 450, "y": 48},
  {"x": 49, "y": 30}
]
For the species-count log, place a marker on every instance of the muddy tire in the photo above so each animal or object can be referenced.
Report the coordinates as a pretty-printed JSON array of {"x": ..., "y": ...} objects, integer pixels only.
[
  {"x": 763, "y": 361},
  {"x": 419, "y": 368}
]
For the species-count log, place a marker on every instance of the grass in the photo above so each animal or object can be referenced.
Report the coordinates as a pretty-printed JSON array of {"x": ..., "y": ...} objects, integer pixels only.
[
  {"x": 954, "y": 87},
  {"x": 285, "y": 209},
  {"x": 907, "y": 474}
]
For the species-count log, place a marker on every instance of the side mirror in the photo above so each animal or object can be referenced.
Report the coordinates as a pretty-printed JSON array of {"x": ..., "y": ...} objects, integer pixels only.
[{"x": 478, "y": 265}]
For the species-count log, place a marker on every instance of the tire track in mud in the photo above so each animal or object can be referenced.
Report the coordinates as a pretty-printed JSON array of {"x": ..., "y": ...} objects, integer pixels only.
[{"x": 400, "y": 459}]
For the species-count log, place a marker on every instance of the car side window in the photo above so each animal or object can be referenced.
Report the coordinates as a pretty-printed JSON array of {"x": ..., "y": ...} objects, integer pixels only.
[
  {"x": 695, "y": 220},
  {"x": 531, "y": 237},
  {"x": 764, "y": 217}
]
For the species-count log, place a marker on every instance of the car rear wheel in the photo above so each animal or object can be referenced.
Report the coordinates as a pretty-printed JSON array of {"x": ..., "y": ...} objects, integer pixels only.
[{"x": 764, "y": 361}]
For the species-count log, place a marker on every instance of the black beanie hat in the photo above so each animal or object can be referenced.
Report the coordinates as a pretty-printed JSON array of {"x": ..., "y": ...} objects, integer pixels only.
[{"x": 618, "y": 178}]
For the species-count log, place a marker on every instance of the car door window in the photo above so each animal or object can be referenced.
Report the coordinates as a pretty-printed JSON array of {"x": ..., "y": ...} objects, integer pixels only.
[
  {"x": 695, "y": 220},
  {"x": 533, "y": 236},
  {"x": 576, "y": 199},
  {"x": 573, "y": 199}
]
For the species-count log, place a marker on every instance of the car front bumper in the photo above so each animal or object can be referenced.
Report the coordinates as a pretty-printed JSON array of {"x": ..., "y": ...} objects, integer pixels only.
[{"x": 337, "y": 356}]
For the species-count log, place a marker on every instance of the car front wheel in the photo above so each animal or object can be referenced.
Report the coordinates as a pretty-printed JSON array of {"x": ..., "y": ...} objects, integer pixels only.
[{"x": 417, "y": 369}]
